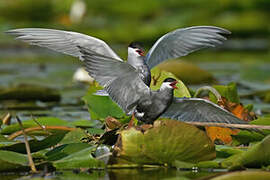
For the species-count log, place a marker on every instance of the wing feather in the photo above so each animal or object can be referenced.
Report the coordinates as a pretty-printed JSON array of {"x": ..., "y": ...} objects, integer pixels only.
[
  {"x": 199, "y": 110},
  {"x": 66, "y": 42},
  {"x": 120, "y": 80},
  {"x": 183, "y": 41}
]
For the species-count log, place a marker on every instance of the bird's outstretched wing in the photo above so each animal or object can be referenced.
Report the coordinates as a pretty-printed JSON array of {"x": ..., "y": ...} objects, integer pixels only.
[
  {"x": 122, "y": 82},
  {"x": 184, "y": 41},
  {"x": 199, "y": 110},
  {"x": 66, "y": 42}
]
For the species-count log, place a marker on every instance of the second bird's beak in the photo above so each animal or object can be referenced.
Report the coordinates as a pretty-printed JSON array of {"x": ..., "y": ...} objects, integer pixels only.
[{"x": 173, "y": 84}]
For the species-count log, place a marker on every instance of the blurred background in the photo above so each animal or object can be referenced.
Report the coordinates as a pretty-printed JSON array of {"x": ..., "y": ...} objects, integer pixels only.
[{"x": 244, "y": 58}]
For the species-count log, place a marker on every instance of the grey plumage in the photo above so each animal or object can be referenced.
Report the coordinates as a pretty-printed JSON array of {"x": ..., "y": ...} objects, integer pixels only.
[
  {"x": 183, "y": 41},
  {"x": 66, "y": 42},
  {"x": 199, "y": 110}
]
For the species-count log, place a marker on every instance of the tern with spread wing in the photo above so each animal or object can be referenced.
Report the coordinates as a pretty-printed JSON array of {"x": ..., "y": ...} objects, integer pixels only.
[
  {"x": 124, "y": 85},
  {"x": 175, "y": 44}
]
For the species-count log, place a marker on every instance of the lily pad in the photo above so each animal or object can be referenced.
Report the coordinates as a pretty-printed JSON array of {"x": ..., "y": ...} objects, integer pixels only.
[
  {"x": 65, "y": 150},
  {"x": 165, "y": 142},
  {"x": 80, "y": 159},
  {"x": 26, "y": 92},
  {"x": 46, "y": 121},
  {"x": 36, "y": 145},
  {"x": 12, "y": 161},
  {"x": 255, "y": 157},
  {"x": 228, "y": 91},
  {"x": 243, "y": 175}
]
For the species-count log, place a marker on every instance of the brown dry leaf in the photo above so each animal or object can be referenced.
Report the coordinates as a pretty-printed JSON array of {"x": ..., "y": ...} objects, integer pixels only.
[
  {"x": 111, "y": 123},
  {"x": 224, "y": 134}
]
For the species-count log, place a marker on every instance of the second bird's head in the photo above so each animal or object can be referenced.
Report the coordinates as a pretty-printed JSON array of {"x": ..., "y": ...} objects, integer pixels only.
[
  {"x": 135, "y": 49},
  {"x": 169, "y": 83}
]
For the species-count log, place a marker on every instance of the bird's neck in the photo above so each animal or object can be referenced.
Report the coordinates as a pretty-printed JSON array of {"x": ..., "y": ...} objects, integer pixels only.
[
  {"x": 165, "y": 91},
  {"x": 136, "y": 61}
]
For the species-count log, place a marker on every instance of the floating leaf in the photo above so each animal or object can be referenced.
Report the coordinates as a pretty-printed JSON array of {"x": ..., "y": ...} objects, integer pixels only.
[
  {"x": 158, "y": 76},
  {"x": 243, "y": 175},
  {"x": 46, "y": 121},
  {"x": 228, "y": 91},
  {"x": 74, "y": 136},
  {"x": 224, "y": 151},
  {"x": 166, "y": 142},
  {"x": 26, "y": 92},
  {"x": 36, "y": 145},
  {"x": 256, "y": 156},
  {"x": 220, "y": 133},
  {"x": 12, "y": 161},
  {"x": 65, "y": 150},
  {"x": 80, "y": 159}
]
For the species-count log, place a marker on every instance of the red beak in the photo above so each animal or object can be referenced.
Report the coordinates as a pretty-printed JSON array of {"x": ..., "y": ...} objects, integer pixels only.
[{"x": 173, "y": 84}]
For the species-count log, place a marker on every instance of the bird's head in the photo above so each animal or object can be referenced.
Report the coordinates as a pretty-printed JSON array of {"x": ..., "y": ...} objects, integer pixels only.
[
  {"x": 169, "y": 83},
  {"x": 135, "y": 48}
]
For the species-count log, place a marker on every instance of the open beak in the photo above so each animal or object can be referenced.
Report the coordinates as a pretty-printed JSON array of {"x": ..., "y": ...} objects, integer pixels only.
[
  {"x": 173, "y": 84},
  {"x": 140, "y": 52}
]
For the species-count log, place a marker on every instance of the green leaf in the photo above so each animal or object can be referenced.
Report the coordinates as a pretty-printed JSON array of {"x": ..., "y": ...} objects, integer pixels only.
[
  {"x": 243, "y": 175},
  {"x": 228, "y": 91},
  {"x": 224, "y": 151},
  {"x": 12, "y": 161},
  {"x": 101, "y": 107},
  {"x": 46, "y": 121},
  {"x": 65, "y": 150},
  {"x": 36, "y": 145},
  {"x": 182, "y": 90},
  {"x": 74, "y": 136},
  {"x": 166, "y": 142},
  {"x": 80, "y": 159},
  {"x": 256, "y": 156}
]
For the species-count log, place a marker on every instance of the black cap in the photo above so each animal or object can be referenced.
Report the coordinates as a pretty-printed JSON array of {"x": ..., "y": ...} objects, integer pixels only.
[
  {"x": 169, "y": 80},
  {"x": 136, "y": 45}
]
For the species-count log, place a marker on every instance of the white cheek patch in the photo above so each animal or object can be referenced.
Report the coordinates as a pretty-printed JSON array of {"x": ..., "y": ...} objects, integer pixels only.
[
  {"x": 133, "y": 52},
  {"x": 166, "y": 85},
  {"x": 140, "y": 114}
]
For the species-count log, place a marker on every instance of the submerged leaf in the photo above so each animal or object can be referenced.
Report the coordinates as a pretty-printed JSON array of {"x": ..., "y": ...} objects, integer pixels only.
[{"x": 166, "y": 142}]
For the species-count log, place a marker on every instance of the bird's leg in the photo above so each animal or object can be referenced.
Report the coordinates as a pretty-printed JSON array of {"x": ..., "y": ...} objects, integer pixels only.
[{"x": 131, "y": 122}]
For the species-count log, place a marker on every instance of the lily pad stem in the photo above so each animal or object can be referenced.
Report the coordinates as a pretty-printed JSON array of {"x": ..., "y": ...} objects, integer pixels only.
[
  {"x": 208, "y": 88},
  {"x": 31, "y": 162}
]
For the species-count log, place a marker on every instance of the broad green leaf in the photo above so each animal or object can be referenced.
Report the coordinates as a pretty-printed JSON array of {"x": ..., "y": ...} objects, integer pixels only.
[
  {"x": 36, "y": 145},
  {"x": 6, "y": 142},
  {"x": 65, "y": 150},
  {"x": 12, "y": 161},
  {"x": 182, "y": 90},
  {"x": 166, "y": 142},
  {"x": 228, "y": 91},
  {"x": 74, "y": 136},
  {"x": 46, "y": 121},
  {"x": 101, "y": 107},
  {"x": 224, "y": 151},
  {"x": 244, "y": 175},
  {"x": 80, "y": 159},
  {"x": 255, "y": 157}
]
